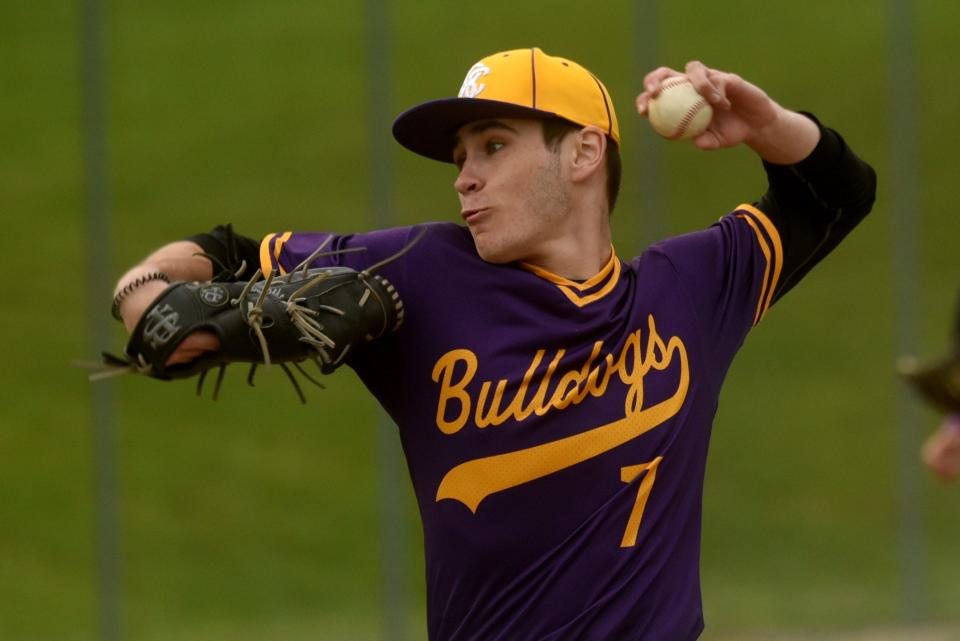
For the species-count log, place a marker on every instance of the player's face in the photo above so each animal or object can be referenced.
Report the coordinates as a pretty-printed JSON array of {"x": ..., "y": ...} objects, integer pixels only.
[{"x": 513, "y": 193}]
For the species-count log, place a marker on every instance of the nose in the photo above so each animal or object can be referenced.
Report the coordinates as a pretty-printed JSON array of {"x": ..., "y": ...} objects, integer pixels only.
[{"x": 467, "y": 180}]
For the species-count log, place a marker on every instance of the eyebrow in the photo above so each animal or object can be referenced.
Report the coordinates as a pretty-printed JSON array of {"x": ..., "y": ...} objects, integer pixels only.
[{"x": 484, "y": 125}]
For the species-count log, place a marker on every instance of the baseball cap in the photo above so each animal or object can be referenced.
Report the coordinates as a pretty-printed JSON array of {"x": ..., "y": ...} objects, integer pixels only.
[{"x": 521, "y": 83}]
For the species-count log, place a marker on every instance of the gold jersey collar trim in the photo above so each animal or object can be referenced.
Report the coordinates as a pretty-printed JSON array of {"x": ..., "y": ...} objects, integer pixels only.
[{"x": 576, "y": 292}]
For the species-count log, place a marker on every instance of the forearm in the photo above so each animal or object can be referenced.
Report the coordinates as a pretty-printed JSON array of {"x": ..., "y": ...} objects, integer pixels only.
[
  {"x": 816, "y": 202},
  {"x": 179, "y": 260},
  {"x": 176, "y": 261}
]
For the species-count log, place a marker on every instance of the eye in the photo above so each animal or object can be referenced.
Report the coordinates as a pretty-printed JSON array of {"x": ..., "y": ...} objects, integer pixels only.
[
  {"x": 459, "y": 158},
  {"x": 494, "y": 146}
]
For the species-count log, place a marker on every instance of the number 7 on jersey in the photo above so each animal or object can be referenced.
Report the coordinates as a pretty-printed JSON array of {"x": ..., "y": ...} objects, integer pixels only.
[{"x": 628, "y": 475}]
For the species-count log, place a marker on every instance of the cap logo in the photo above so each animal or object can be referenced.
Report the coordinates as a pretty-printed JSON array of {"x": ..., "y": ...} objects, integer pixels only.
[{"x": 470, "y": 87}]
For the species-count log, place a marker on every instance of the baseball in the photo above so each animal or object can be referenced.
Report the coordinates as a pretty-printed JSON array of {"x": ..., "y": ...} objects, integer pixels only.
[{"x": 678, "y": 112}]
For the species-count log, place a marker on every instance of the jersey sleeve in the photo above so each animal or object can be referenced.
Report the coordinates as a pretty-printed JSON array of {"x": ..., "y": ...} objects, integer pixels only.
[
  {"x": 729, "y": 273},
  {"x": 238, "y": 257},
  {"x": 285, "y": 251},
  {"x": 424, "y": 277}
]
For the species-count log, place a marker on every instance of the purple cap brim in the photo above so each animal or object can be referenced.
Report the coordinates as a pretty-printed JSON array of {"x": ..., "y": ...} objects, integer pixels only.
[{"x": 430, "y": 129}]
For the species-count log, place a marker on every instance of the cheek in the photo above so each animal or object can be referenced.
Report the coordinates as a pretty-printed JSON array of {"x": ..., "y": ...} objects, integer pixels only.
[{"x": 546, "y": 200}]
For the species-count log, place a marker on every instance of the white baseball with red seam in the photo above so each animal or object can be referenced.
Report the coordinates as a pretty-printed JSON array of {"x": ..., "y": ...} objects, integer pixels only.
[{"x": 678, "y": 112}]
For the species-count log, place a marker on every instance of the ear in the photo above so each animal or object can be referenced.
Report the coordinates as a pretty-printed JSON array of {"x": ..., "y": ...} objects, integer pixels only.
[{"x": 588, "y": 153}]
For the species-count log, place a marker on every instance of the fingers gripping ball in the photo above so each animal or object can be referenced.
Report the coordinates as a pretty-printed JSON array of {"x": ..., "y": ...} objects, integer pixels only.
[
  {"x": 678, "y": 112},
  {"x": 321, "y": 314}
]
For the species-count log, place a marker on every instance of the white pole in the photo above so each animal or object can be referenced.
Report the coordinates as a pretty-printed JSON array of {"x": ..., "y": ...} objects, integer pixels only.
[
  {"x": 102, "y": 415},
  {"x": 390, "y": 468},
  {"x": 904, "y": 216},
  {"x": 646, "y": 150}
]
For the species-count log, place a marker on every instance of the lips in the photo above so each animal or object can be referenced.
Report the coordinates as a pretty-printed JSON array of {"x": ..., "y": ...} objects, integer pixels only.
[{"x": 468, "y": 214}]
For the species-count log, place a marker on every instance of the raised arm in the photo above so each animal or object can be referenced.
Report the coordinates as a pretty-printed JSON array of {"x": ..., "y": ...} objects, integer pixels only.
[{"x": 819, "y": 190}]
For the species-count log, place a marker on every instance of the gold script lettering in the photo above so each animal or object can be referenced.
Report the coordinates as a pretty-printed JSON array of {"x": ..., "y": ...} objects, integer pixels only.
[
  {"x": 454, "y": 391},
  {"x": 472, "y": 481}
]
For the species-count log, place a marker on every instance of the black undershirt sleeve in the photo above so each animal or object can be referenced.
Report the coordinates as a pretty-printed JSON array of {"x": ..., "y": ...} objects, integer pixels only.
[
  {"x": 815, "y": 203},
  {"x": 234, "y": 257}
]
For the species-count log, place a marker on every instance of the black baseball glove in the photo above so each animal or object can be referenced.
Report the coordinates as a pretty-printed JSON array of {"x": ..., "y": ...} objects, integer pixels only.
[
  {"x": 320, "y": 314},
  {"x": 937, "y": 382}
]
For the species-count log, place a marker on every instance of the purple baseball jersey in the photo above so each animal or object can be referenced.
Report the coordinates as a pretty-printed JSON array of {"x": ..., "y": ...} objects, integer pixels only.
[{"x": 556, "y": 432}]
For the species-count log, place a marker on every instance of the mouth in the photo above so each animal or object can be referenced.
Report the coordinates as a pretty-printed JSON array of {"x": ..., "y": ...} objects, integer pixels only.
[{"x": 472, "y": 214}]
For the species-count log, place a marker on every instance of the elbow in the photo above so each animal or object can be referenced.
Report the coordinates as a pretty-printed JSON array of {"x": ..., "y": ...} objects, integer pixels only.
[{"x": 862, "y": 205}]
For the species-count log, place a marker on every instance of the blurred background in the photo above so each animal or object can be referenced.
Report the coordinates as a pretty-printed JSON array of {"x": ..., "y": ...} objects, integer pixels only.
[{"x": 135, "y": 510}]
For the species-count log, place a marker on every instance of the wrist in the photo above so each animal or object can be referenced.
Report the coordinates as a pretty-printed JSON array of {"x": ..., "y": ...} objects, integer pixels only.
[
  {"x": 788, "y": 139},
  {"x": 136, "y": 287}
]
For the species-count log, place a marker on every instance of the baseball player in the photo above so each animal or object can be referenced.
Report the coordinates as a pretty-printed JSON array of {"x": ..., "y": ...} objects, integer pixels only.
[
  {"x": 938, "y": 383},
  {"x": 555, "y": 400}
]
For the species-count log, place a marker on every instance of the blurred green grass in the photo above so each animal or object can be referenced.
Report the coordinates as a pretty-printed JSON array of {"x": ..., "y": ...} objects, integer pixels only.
[{"x": 255, "y": 517}]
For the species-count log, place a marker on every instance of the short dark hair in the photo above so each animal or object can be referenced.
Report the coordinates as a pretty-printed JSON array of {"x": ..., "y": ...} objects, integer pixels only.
[{"x": 556, "y": 129}]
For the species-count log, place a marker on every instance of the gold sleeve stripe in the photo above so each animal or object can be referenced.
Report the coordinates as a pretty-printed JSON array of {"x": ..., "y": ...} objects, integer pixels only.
[
  {"x": 777, "y": 252},
  {"x": 766, "y": 269},
  {"x": 266, "y": 264},
  {"x": 278, "y": 247},
  {"x": 581, "y": 301}
]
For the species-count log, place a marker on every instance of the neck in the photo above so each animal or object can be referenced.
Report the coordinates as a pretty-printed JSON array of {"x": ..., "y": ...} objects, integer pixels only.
[{"x": 577, "y": 254}]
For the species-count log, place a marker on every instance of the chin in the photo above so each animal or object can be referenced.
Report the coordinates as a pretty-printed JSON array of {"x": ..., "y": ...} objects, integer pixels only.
[{"x": 491, "y": 253}]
